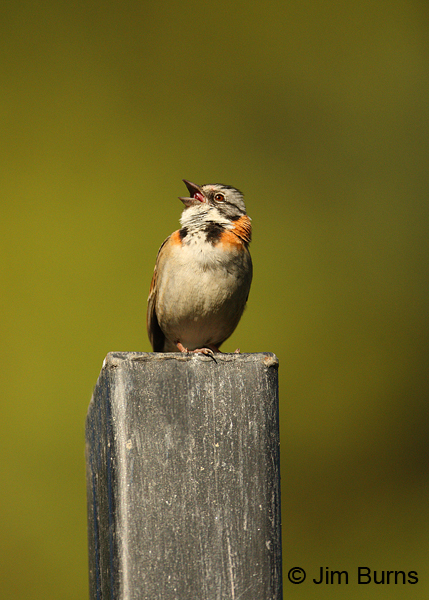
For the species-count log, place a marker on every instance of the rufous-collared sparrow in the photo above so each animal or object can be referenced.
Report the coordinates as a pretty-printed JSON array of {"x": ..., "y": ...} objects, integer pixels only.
[{"x": 202, "y": 274}]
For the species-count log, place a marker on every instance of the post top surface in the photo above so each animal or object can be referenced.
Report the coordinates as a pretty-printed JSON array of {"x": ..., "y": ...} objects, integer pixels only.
[{"x": 118, "y": 359}]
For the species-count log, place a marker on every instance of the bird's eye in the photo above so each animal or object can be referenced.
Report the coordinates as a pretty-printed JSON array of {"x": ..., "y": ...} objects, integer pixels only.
[{"x": 220, "y": 197}]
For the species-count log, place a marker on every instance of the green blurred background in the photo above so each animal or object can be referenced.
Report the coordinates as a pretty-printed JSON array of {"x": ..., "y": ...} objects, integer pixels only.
[{"x": 319, "y": 112}]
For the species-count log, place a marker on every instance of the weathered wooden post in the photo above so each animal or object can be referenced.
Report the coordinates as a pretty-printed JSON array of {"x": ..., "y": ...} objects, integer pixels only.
[{"x": 183, "y": 478}]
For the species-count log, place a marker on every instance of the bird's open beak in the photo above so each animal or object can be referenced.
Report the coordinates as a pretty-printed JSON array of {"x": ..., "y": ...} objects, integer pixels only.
[{"x": 196, "y": 194}]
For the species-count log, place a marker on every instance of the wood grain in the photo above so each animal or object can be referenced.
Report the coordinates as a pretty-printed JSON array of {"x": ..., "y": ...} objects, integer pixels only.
[{"x": 183, "y": 478}]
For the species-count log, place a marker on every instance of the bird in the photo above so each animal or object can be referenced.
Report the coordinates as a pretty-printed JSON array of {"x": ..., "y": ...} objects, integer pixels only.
[{"x": 202, "y": 274}]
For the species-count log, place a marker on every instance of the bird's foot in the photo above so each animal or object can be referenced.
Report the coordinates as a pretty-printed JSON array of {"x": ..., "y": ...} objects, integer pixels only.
[{"x": 208, "y": 351}]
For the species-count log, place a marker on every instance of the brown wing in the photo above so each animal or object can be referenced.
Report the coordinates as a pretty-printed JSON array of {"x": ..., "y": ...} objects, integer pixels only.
[{"x": 156, "y": 336}]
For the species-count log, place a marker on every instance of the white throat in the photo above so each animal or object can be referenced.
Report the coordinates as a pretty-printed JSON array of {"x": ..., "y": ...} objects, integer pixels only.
[{"x": 194, "y": 216}]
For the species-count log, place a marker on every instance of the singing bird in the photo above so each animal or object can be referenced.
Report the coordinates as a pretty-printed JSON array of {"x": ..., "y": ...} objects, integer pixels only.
[{"x": 202, "y": 274}]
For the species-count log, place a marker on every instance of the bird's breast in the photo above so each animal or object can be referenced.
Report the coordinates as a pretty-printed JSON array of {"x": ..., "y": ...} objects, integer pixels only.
[{"x": 203, "y": 287}]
